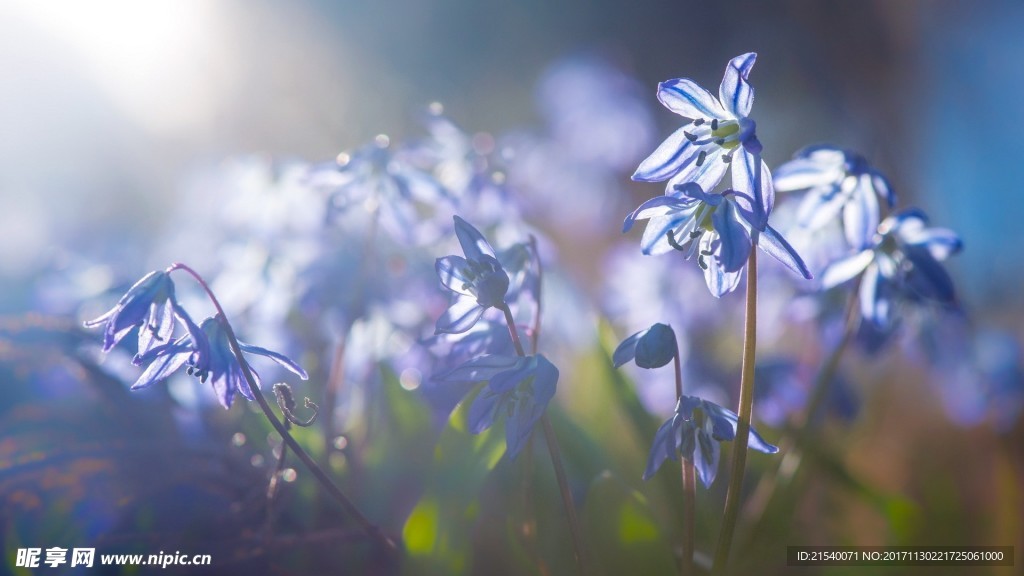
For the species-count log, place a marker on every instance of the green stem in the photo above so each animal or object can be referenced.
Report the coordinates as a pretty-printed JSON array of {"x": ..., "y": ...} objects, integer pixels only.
[
  {"x": 689, "y": 489},
  {"x": 371, "y": 529},
  {"x": 556, "y": 457},
  {"x": 739, "y": 450}
]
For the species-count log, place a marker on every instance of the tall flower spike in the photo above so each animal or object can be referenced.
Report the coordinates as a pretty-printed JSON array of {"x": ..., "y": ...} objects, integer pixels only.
[
  {"x": 211, "y": 358},
  {"x": 150, "y": 306},
  {"x": 837, "y": 182},
  {"x": 694, "y": 431},
  {"x": 721, "y": 135},
  {"x": 716, "y": 227},
  {"x": 478, "y": 280},
  {"x": 518, "y": 386},
  {"x": 903, "y": 264}
]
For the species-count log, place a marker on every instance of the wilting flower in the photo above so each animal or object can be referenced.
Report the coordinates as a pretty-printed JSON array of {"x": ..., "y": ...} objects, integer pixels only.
[
  {"x": 518, "y": 386},
  {"x": 721, "y": 134},
  {"x": 208, "y": 356},
  {"x": 478, "y": 280},
  {"x": 836, "y": 181},
  {"x": 903, "y": 264},
  {"x": 694, "y": 430},
  {"x": 651, "y": 348},
  {"x": 149, "y": 305},
  {"x": 718, "y": 227}
]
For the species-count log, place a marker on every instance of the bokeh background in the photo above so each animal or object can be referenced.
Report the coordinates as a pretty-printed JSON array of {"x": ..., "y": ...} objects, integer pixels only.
[{"x": 118, "y": 117}]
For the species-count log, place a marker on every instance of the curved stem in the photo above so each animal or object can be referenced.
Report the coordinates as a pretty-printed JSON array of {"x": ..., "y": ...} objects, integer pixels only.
[
  {"x": 371, "y": 529},
  {"x": 739, "y": 450},
  {"x": 556, "y": 457},
  {"x": 689, "y": 489}
]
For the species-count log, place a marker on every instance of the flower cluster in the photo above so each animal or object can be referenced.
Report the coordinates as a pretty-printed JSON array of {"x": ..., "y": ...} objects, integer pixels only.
[
  {"x": 205, "y": 349},
  {"x": 720, "y": 227},
  {"x": 518, "y": 386}
]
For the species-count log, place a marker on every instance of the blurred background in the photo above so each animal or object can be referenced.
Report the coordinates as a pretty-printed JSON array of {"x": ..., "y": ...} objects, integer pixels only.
[{"x": 119, "y": 119}]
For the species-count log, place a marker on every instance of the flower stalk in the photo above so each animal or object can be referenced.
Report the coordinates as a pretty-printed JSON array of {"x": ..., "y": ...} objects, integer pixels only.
[
  {"x": 556, "y": 457},
  {"x": 689, "y": 487},
  {"x": 746, "y": 405},
  {"x": 371, "y": 529}
]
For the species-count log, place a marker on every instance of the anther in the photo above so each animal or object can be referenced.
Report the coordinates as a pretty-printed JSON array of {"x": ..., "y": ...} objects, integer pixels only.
[
  {"x": 720, "y": 141},
  {"x": 672, "y": 241},
  {"x": 714, "y": 124},
  {"x": 690, "y": 137},
  {"x": 698, "y": 122},
  {"x": 726, "y": 158},
  {"x": 701, "y": 157}
]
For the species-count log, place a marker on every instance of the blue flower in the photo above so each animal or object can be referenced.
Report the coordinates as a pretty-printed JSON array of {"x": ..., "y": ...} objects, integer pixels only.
[
  {"x": 478, "y": 280},
  {"x": 518, "y": 386},
  {"x": 836, "y": 181},
  {"x": 718, "y": 227},
  {"x": 651, "y": 348},
  {"x": 903, "y": 264},
  {"x": 694, "y": 430},
  {"x": 208, "y": 356},
  {"x": 721, "y": 134},
  {"x": 382, "y": 180},
  {"x": 149, "y": 305}
]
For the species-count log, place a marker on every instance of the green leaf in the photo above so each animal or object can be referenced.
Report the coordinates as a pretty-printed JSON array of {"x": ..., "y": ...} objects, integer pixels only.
[
  {"x": 439, "y": 531},
  {"x": 621, "y": 531}
]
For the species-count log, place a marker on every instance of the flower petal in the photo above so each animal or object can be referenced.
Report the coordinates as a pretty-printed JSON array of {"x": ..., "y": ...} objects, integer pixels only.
[
  {"x": 277, "y": 357},
  {"x": 820, "y": 206},
  {"x": 479, "y": 369},
  {"x": 163, "y": 365},
  {"x": 656, "y": 347},
  {"x": 773, "y": 244},
  {"x": 484, "y": 410},
  {"x": 802, "y": 173},
  {"x": 655, "y": 238},
  {"x": 658, "y": 206},
  {"x": 719, "y": 280},
  {"x": 861, "y": 214},
  {"x": 453, "y": 272},
  {"x": 626, "y": 351},
  {"x": 460, "y": 316},
  {"x": 750, "y": 175},
  {"x": 707, "y": 175},
  {"x": 663, "y": 447},
  {"x": 684, "y": 97},
  {"x": 735, "y": 93},
  {"x": 928, "y": 279},
  {"x": 883, "y": 188},
  {"x": 734, "y": 239},
  {"x": 706, "y": 456},
  {"x": 474, "y": 245},
  {"x": 668, "y": 158},
  {"x": 845, "y": 269}
]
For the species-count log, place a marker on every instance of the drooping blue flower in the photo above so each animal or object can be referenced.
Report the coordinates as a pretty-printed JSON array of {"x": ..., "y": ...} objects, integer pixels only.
[
  {"x": 478, "y": 280},
  {"x": 721, "y": 134},
  {"x": 694, "y": 431},
  {"x": 208, "y": 356},
  {"x": 150, "y": 306},
  {"x": 651, "y": 348},
  {"x": 517, "y": 386},
  {"x": 903, "y": 264},
  {"x": 837, "y": 182},
  {"x": 718, "y": 227}
]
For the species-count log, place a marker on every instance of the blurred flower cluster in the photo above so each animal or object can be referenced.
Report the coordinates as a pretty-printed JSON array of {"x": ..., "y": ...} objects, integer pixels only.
[{"x": 415, "y": 359}]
